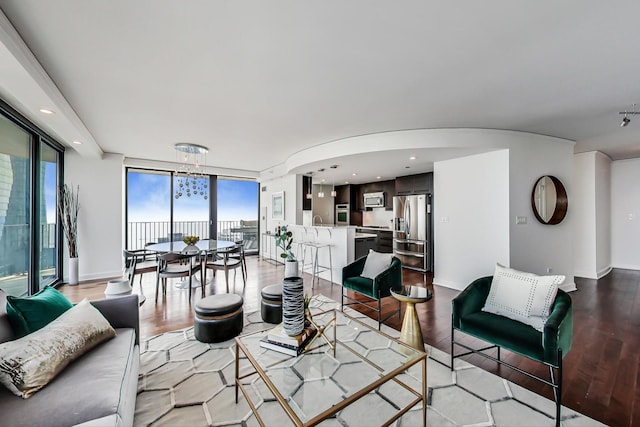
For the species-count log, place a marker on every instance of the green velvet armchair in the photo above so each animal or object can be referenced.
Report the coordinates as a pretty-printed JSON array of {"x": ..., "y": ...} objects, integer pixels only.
[
  {"x": 548, "y": 346},
  {"x": 375, "y": 289}
]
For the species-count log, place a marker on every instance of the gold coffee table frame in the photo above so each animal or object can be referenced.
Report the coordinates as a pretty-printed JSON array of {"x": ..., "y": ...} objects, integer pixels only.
[{"x": 420, "y": 357}]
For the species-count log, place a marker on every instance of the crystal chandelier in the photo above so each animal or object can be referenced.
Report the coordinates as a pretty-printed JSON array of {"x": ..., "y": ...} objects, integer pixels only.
[{"x": 191, "y": 179}]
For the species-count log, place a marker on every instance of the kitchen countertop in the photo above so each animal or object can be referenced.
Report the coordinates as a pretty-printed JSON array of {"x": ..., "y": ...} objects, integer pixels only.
[
  {"x": 364, "y": 235},
  {"x": 358, "y": 227}
]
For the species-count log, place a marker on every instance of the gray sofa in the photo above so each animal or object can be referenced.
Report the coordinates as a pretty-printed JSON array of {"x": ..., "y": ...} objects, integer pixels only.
[{"x": 98, "y": 389}]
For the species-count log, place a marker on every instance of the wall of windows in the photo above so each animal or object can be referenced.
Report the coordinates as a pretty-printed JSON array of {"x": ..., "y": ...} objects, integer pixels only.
[
  {"x": 157, "y": 212},
  {"x": 30, "y": 170}
]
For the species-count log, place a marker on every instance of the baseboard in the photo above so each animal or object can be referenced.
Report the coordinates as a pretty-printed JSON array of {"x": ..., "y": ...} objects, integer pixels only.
[
  {"x": 568, "y": 287},
  {"x": 604, "y": 272},
  {"x": 448, "y": 284},
  {"x": 96, "y": 276}
]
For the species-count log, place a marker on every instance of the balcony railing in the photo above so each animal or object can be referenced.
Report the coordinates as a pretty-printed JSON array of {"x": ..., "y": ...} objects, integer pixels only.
[{"x": 140, "y": 234}]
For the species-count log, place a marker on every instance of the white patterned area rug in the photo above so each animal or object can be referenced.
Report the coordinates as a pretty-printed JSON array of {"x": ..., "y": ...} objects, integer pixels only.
[{"x": 184, "y": 382}]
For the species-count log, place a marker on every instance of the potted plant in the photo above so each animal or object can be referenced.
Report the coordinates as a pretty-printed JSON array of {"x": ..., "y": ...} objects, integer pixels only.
[
  {"x": 284, "y": 240},
  {"x": 68, "y": 207}
]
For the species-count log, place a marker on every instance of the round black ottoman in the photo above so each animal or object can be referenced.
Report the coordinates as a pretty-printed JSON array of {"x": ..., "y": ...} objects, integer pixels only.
[
  {"x": 218, "y": 318},
  {"x": 271, "y": 304}
]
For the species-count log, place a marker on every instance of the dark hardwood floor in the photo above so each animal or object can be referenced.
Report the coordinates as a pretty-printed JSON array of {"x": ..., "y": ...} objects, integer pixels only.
[{"x": 601, "y": 374}]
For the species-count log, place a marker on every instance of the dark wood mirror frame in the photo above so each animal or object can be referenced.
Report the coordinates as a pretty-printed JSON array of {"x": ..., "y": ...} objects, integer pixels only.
[{"x": 561, "y": 203}]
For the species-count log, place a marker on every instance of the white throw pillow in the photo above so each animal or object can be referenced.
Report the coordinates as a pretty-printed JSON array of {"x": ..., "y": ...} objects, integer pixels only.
[
  {"x": 29, "y": 363},
  {"x": 375, "y": 264},
  {"x": 525, "y": 297}
]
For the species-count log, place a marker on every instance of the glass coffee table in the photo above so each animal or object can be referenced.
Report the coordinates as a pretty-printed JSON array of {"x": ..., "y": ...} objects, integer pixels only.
[{"x": 366, "y": 373}]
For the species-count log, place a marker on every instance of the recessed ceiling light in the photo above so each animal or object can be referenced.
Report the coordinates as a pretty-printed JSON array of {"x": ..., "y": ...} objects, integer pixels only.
[
  {"x": 346, "y": 182},
  {"x": 323, "y": 180},
  {"x": 412, "y": 158},
  {"x": 378, "y": 177},
  {"x": 354, "y": 174},
  {"x": 77, "y": 142},
  {"x": 407, "y": 167},
  {"x": 46, "y": 111}
]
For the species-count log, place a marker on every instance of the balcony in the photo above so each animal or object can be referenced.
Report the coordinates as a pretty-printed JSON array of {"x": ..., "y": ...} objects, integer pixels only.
[{"x": 140, "y": 234}]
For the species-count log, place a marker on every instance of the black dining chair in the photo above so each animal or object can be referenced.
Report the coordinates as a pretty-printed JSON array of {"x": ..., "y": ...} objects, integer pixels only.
[{"x": 174, "y": 265}]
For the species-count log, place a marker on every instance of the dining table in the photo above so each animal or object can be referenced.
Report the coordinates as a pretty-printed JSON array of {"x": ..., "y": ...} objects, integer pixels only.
[
  {"x": 207, "y": 245},
  {"x": 178, "y": 246}
]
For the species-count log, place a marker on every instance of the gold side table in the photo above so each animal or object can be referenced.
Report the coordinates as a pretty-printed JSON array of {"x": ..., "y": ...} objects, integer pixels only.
[{"x": 411, "y": 333}]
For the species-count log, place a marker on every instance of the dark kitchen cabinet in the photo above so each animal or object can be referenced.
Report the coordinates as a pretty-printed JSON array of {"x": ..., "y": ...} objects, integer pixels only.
[
  {"x": 414, "y": 184},
  {"x": 363, "y": 245},
  {"x": 343, "y": 194},
  {"x": 384, "y": 241},
  {"x": 306, "y": 189}
]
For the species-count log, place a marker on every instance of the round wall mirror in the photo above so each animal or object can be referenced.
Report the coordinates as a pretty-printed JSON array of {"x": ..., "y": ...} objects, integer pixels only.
[{"x": 549, "y": 200}]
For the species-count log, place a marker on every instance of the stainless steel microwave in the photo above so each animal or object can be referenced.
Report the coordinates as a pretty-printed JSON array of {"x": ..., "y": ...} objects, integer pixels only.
[{"x": 374, "y": 200}]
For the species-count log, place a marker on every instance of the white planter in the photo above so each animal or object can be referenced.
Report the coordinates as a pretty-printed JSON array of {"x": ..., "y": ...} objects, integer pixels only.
[
  {"x": 73, "y": 271},
  {"x": 290, "y": 269}
]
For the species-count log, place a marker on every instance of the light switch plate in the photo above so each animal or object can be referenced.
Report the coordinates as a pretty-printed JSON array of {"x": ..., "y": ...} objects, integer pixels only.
[{"x": 521, "y": 219}]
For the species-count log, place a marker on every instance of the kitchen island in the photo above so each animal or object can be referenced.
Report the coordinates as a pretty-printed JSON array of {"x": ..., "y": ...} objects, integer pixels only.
[{"x": 341, "y": 238}]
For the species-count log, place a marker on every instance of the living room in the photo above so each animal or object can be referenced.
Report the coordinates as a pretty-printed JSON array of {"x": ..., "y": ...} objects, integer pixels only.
[{"x": 274, "y": 95}]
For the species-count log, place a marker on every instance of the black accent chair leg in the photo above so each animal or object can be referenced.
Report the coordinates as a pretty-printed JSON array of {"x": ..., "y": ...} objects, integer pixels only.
[
  {"x": 558, "y": 391},
  {"x": 452, "y": 343}
]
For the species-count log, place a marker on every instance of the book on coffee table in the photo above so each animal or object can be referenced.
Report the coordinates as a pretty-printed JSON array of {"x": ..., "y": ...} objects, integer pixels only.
[
  {"x": 278, "y": 335},
  {"x": 291, "y": 350}
]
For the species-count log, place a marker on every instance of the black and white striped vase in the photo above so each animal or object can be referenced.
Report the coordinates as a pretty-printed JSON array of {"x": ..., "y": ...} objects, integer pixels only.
[{"x": 293, "y": 305}]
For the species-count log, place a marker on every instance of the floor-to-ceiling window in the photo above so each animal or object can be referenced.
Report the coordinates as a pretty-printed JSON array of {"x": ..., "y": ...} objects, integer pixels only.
[
  {"x": 30, "y": 168},
  {"x": 160, "y": 209},
  {"x": 238, "y": 211}
]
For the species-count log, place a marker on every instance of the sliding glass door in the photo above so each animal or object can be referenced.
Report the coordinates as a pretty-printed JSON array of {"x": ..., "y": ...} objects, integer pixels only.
[
  {"x": 30, "y": 170},
  {"x": 15, "y": 208}
]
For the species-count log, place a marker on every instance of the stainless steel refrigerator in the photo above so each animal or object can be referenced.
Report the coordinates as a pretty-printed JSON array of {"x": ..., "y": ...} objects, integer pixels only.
[{"x": 412, "y": 241}]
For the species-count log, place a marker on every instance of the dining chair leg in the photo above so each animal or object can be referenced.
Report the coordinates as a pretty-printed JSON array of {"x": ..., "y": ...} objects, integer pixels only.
[
  {"x": 203, "y": 277},
  {"x": 157, "y": 286},
  {"x": 226, "y": 276}
]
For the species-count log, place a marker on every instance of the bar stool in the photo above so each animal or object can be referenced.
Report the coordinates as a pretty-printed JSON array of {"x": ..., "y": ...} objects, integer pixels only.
[{"x": 315, "y": 249}]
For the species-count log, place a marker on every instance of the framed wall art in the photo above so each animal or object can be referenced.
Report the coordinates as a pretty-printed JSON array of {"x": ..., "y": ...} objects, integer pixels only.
[{"x": 277, "y": 205}]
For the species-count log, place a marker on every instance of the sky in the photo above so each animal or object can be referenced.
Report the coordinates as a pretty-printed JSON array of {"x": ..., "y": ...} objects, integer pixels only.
[{"x": 149, "y": 200}]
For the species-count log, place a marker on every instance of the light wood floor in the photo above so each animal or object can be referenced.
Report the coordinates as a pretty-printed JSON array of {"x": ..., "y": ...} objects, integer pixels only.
[{"x": 601, "y": 377}]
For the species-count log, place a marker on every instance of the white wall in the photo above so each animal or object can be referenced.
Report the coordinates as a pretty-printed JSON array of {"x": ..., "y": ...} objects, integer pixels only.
[
  {"x": 100, "y": 220},
  {"x": 291, "y": 186},
  {"x": 535, "y": 247},
  {"x": 582, "y": 203},
  {"x": 471, "y": 217},
  {"x": 625, "y": 214},
  {"x": 603, "y": 214}
]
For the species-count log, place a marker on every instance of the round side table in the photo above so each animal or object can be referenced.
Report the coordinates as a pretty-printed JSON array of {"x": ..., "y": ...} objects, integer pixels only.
[{"x": 411, "y": 333}]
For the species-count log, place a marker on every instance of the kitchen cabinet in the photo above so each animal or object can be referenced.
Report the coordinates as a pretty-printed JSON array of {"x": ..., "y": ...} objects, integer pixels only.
[
  {"x": 384, "y": 242},
  {"x": 343, "y": 194},
  {"x": 387, "y": 187},
  {"x": 306, "y": 189},
  {"x": 414, "y": 184},
  {"x": 363, "y": 245}
]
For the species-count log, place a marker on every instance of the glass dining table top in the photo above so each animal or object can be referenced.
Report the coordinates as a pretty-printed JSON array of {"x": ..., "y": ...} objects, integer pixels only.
[{"x": 203, "y": 245}]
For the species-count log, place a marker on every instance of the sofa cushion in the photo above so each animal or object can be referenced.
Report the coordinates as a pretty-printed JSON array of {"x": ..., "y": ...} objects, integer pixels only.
[
  {"x": 375, "y": 264},
  {"x": 100, "y": 384},
  {"x": 28, "y": 314},
  {"x": 525, "y": 297},
  {"x": 29, "y": 363}
]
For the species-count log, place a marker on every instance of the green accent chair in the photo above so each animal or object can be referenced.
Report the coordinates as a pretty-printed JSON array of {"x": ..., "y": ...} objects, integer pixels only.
[
  {"x": 548, "y": 347},
  {"x": 375, "y": 289}
]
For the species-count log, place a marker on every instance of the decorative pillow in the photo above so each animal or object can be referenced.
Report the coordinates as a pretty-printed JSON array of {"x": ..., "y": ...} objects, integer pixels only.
[
  {"x": 28, "y": 314},
  {"x": 29, "y": 363},
  {"x": 525, "y": 297},
  {"x": 375, "y": 264}
]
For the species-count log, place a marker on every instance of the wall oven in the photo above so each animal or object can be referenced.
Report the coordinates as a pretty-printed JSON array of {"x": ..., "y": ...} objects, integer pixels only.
[{"x": 342, "y": 214}]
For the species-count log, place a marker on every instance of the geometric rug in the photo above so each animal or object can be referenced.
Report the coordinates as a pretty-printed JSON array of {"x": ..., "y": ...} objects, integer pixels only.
[{"x": 184, "y": 382}]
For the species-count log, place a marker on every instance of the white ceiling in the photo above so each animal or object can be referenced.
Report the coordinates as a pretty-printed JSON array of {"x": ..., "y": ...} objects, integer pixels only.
[{"x": 257, "y": 81}]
